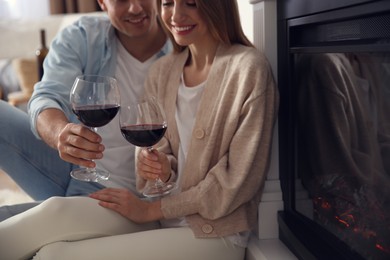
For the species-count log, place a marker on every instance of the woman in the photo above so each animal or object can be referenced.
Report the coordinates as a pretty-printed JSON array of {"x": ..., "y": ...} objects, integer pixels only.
[{"x": 221, "y": 103}]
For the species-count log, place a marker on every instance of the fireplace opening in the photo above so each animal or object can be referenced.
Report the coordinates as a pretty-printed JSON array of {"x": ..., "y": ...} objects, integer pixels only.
[{"x": 335, "y": 130}]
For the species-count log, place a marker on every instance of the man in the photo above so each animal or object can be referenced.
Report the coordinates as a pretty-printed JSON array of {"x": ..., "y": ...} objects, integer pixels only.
[{"x": 123, "y": 46}]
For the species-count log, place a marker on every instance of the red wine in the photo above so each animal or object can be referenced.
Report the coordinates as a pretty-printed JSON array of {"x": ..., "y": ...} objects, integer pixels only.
[
  {"x": 96, "y": 115},
  {"x": 144, "y": 135}
]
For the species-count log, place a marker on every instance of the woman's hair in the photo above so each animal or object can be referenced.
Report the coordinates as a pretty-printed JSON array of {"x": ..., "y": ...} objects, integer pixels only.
[{"x": 223, "y": 20}]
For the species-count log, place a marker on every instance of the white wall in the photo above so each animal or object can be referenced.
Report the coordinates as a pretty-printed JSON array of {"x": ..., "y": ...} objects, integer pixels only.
[
  {"x": 24, "y": 8},
  {"x": 246, "y": 16},
  {"x": 40, "y": 8}
]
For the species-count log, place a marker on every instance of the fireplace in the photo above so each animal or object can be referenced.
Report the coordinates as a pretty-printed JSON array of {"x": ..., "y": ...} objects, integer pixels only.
[{"x": 334, "y": 127}]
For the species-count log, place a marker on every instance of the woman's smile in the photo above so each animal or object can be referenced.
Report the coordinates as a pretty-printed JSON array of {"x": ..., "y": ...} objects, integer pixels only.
[{"x": 181, "y": 30}]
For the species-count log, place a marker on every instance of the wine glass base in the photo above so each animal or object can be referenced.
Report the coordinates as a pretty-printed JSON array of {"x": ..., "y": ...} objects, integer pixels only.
[
  {"x": 158, "y": 190},
  {"x": 90, "y": 175}
]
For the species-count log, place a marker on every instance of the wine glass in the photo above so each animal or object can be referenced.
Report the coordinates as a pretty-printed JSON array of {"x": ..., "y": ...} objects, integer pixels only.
[
  {"x": 143, "y": 124},
  {"x": 95, "y": 100}
]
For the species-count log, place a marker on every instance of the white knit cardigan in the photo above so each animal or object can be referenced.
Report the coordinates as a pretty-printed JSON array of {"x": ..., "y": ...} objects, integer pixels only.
[{"x": 229, "y": 151}]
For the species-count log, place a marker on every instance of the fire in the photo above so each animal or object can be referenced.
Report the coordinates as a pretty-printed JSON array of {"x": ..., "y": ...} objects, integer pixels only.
[{"x": 341, "y": 216}]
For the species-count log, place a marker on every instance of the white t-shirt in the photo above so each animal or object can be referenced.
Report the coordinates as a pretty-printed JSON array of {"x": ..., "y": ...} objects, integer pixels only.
[
  {"x": 187, "y": 103},
  {"x": 118, "y": 157}
]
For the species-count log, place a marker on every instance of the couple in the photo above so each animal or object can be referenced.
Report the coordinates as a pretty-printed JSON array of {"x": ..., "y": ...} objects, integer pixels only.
[{"x": 221, "y": 103}]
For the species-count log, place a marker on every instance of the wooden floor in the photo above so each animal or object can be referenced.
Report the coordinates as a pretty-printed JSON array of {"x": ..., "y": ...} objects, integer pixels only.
[{"x": 10, "y": 192}]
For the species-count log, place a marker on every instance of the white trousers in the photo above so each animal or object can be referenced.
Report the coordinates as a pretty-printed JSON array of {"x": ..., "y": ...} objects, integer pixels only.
[{"x": 75, "y": 228}]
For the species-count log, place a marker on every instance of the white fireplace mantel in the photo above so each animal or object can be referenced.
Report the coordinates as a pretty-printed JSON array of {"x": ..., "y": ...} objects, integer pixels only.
[{"x": 262, "y": 30}]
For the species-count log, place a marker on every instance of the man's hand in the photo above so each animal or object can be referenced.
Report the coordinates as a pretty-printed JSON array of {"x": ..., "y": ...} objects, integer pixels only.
[
  {"x": 79, "y": 145},
  {"x": 75, "y": 143}
]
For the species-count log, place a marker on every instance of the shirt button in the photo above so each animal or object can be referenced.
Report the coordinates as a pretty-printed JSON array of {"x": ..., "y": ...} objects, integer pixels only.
[
  {"x": 199, "y": 133},
  {"x": 207, "y": 228}
]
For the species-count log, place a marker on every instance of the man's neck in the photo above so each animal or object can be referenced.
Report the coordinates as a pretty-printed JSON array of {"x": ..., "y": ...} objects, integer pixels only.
[{"x": 143, "y": 48}]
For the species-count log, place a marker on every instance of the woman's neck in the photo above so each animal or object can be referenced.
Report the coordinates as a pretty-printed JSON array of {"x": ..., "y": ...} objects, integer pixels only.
[{"x": 200, "y": 60}]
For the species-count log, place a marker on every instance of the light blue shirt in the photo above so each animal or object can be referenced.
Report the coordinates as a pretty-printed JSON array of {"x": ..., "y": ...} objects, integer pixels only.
[{"x": 88, "y": 46}]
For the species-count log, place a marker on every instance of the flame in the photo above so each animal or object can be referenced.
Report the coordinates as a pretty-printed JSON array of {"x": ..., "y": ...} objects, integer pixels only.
[{"x": 348, "y": 220}]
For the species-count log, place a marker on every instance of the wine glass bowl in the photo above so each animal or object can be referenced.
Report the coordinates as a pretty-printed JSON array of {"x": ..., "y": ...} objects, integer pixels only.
[
  {"x": 95, "y": 100},
  {"x": 143, "y": 124},
  {"x": 144, "y": 135}
]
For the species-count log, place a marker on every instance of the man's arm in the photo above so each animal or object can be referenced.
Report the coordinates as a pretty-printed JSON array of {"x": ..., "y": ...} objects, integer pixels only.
[{"x": 50, "y": 123}]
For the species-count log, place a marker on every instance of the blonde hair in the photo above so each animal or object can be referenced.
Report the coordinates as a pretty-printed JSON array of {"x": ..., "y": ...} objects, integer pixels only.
[{"x": 223, "y": 20}]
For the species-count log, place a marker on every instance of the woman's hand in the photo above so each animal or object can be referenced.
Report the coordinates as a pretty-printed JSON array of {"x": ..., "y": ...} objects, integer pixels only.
[
  {"x": 153, "y": 164},
  {"x": 79, "y": 145},
  {"x": 128, "y": 205}
]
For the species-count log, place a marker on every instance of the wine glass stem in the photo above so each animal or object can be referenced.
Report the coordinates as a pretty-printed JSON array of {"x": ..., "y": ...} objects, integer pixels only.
[
  {"x": 157, "y": 182},
  {"x": 93, "y": 169}
]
